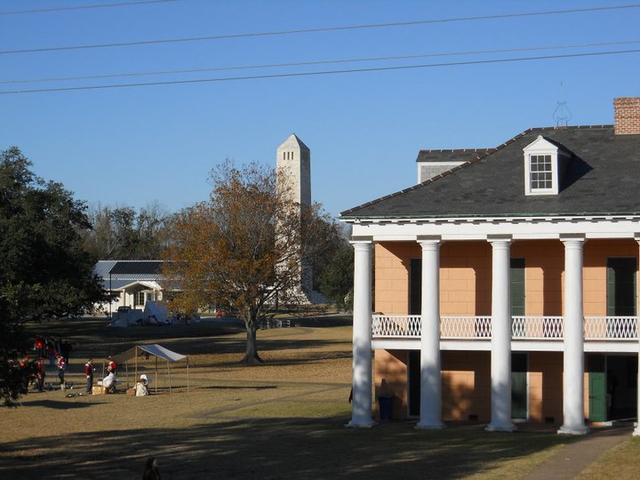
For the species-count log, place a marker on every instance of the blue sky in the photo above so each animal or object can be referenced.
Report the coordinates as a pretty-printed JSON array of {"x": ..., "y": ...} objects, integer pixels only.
[{"x": 136, "y": 146}]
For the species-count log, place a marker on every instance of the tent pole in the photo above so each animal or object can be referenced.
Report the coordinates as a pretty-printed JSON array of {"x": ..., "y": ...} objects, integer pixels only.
[
  {"x": 187, "y": 374},
  {"x": 135, "y": 356},
  {"x": 126, "y": 372},
  {"x": 169, "y": 372},
  {"x": 156, "y": 374}
]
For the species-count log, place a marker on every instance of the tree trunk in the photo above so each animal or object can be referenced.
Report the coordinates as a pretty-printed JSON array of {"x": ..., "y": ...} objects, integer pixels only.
[{"x": 251, "y": 353}]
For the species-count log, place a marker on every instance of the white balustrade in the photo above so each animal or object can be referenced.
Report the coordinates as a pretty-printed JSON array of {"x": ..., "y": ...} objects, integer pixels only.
[
  {"x": 607, "y": 328},
  {"x": 465, "y": 327},
  {"x": 537, "y": 328},
  {"x": 522, "y": 327},
  {"x": 406, "y": 326}
]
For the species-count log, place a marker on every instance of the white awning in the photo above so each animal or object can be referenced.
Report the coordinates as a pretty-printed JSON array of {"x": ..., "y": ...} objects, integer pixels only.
[{"x": 152, "y": 349}]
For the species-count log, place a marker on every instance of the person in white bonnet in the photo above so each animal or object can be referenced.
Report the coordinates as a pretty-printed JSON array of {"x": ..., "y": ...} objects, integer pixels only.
[{"x": 142, "y": 389}]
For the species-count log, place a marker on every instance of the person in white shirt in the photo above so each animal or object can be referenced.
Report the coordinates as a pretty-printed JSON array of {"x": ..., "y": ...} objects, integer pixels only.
[
  {"x": 142, "y": 389},
  {"x": 109, "y": 383}
]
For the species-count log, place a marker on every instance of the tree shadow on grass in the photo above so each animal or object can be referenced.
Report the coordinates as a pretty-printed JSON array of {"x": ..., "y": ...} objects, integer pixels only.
[
  {"x": 237, "y": 387},
  {"x": 59, "y": 405},
  {"x": 271, "y": 449}
]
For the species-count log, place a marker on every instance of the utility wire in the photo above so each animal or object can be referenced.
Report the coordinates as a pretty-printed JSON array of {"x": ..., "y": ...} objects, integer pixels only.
[
  {"x": 318, "y": 29},
  {"x": 317, "y": 62},
  {"x": 318, "y": 73},
  {"x": 83, "y": 7}
]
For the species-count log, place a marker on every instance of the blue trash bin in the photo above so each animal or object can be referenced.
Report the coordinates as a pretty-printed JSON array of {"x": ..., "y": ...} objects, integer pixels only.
[{"x": 385, "y": 407}]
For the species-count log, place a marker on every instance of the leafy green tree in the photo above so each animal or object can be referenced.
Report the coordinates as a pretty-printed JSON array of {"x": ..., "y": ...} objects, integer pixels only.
[
  {"x": 335, "y": 280},
  {"x": 44, "y": 271}
]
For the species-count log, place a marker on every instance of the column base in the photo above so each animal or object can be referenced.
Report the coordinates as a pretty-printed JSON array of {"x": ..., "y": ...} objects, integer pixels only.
[
  {"x": 430, "y": 426},
  {"x": 636, "y": 431},
  {"x": 509, "y": 427},
  {"x": 579, "y": 430},
  {"x": 360, "y": 424}
]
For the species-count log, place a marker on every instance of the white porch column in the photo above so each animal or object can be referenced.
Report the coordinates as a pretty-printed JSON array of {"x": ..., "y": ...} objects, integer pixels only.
[
  {"x": 430, "y": 375},
  {"x": 573, "y": 357},
  {"x": 500, "y": 335},
  {"x": 361, "y": 381},
  {"x": 636, "y": 431}
]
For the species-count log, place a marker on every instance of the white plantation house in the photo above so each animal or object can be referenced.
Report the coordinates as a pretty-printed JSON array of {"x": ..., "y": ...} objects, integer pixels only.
[{"x": 505, "y": 282}]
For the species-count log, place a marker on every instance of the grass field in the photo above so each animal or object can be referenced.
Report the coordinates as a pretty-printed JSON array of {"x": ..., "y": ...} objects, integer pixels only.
[{"x": 284, "y": 419}]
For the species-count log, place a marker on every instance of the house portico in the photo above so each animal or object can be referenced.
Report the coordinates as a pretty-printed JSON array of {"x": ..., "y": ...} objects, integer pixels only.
[{"x": 557, "y": 322}]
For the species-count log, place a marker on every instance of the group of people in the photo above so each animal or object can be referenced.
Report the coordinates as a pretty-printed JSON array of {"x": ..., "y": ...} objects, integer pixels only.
[
  {"x": 57, "y": 353},
  {"x": 109, "y": 382}
]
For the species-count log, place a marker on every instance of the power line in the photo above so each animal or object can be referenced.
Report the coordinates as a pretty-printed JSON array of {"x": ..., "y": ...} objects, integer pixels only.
[
  {"x": 318, "y": 73},
  {"x": 317, "y": 29},
  {"x": 84, "y": 7},
  {"x": 318, "y": 62}
]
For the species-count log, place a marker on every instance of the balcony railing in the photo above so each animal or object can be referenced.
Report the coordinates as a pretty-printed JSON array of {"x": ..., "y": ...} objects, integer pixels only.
[{"x": 522, "y": 327}]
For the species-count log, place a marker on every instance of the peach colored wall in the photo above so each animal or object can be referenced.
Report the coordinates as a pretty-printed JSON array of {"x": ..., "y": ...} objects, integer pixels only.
[
  {"x": 392, "y": 262},
  {"x": 545, "y": 386},
  {"x": 466, "y": 385},
  {"x": 596, "y": 253},
  {"x": 391, "y": 366},
  {"x": 465, "y": 275}
]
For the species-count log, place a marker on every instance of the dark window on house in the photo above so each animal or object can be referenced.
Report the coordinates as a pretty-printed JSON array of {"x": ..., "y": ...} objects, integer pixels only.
[
  {"x": 517, "y": 286},
  {"x": 621, "y": 286},
  {"x": 540, "y": 172},
  {"x": 415, "y": 287}
]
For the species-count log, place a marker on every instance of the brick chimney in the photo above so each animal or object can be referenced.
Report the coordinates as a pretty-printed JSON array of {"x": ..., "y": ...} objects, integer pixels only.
[{"x": 627, "y": 115}]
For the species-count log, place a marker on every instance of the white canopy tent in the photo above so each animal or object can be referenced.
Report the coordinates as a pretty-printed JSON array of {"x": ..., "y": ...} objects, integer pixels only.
[{"x": 157, "y": 351}]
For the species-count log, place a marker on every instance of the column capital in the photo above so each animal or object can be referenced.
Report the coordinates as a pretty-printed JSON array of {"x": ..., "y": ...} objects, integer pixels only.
[
  {"x": 497, "y": 239},
  {"x": 636, "y": 236},
  {"x": 361, "y": 240},
  {"x": 429, "y": 241},
  {"x": 573, "y": 239}
]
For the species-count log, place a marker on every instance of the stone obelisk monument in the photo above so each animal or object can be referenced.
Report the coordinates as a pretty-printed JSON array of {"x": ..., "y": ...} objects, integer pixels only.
[{"x": 293, "y": 163}]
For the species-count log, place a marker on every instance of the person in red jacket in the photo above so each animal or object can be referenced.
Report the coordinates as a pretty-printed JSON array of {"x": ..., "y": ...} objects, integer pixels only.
[
  {"x": 62, "y": 366},
  {"x": 88, "y": 371}
]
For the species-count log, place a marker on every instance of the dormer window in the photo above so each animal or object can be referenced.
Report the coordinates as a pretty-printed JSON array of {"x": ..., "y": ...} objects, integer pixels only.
[
  {"x": 540, "y": 172},
  {"x": 542, "y": 167}
]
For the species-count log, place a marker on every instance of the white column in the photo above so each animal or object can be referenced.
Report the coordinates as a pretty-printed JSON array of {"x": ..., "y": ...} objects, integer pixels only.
[
  {"x": 361, "y": 382},
  {"x": 573, "y": 357},
  {"x": 430, "y": 375},
  {"x": 500, "y": 335},
  {"x": 636, "y": 431}
]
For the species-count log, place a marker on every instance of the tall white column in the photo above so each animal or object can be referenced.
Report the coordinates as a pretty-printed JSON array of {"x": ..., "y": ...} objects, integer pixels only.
[
  {"x": 636, "y": 431},
  {"x": 430, "y": 375},
  {"x": 361, "y": 382},
  {"x": 500, "y": 335},
  {"x": 573, "y": 358}
]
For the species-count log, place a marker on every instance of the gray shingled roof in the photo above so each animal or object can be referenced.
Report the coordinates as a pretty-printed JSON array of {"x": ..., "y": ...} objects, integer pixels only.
[
  {"x": 452, "y": 155},
  {"x": 603, "y": 178}
]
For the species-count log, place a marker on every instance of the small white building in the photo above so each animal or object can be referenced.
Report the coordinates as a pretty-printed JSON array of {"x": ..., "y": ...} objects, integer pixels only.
[{"x": 131, "y": 283}]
